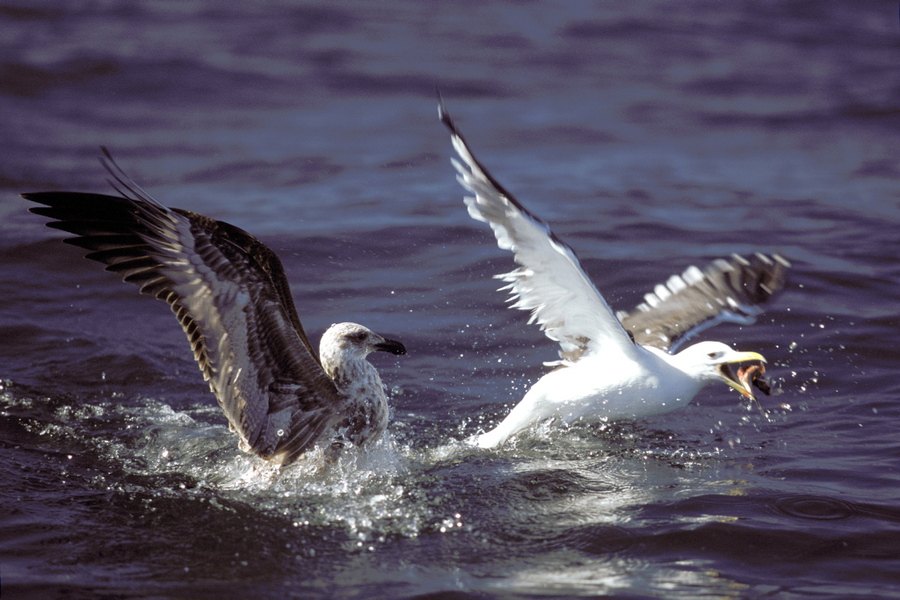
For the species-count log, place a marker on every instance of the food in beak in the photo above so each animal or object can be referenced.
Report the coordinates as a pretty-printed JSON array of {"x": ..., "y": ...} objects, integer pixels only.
[
  {"x": 746, "y": 379},
  {"x": 753, "y": 376}
]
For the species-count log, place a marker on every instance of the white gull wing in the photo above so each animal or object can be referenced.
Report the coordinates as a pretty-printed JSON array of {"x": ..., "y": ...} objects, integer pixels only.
[
  {"x": 550, "y": 281},
  {"x": 731, "y": 290},
  {"x": 229, "y": 293}
]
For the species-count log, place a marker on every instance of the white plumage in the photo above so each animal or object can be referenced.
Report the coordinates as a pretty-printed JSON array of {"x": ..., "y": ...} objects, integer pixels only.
[{"x": 612, "y": 366}]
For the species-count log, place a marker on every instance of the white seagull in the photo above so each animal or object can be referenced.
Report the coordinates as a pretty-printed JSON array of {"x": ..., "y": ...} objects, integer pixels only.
[
  {"x": 229, "y": 292},
  {"x": 613, "y": 366}
]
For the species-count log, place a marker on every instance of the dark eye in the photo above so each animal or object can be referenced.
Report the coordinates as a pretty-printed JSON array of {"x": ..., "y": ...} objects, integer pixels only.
[
  {"x": 713, "y": 355},
  {"x": 357, "y": 337}
]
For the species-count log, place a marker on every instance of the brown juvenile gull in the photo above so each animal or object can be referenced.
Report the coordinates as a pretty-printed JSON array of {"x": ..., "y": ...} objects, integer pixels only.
[
  {"x": 231, "y": 297},
  {"x": 612, "y": 366}
]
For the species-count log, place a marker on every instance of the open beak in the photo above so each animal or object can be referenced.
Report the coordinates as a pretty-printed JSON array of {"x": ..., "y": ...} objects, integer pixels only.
[{"x": 743, "y": 381}]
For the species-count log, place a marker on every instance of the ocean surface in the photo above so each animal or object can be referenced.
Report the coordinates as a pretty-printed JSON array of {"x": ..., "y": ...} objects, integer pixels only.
[{"x": 652, "y": 136}]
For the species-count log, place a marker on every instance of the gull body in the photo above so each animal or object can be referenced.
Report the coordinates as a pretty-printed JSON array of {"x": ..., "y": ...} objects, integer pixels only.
[
  {"x": 231, "y": 297},
  {"x": 612, "y": 365},
  {"x": 599, "y": 387},
  {"x": 343, "y": 351}
]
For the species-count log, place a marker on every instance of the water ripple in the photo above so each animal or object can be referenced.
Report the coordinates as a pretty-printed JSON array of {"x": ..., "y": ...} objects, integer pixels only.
[{"x": 816, "y": 508}]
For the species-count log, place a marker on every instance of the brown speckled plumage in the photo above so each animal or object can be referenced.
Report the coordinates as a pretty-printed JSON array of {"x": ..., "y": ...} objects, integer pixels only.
[{"x": 229, "y": 293}]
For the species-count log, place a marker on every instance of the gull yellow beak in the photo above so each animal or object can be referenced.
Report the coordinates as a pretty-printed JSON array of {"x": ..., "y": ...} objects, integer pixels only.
[{"x": 728, "y": 376}]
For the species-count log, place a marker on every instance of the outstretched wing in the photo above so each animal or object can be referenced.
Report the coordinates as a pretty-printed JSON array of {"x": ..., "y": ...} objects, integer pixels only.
[
  {"x": 550, "y": 281},
  {"x": 727, "y": 290},
  {"x": 230, "y": 296}
]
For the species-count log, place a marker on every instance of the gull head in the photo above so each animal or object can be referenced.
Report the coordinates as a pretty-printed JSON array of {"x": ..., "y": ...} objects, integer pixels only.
[
  {"x": 353, "y": 341},
  {"x": 711, "y": 361}
]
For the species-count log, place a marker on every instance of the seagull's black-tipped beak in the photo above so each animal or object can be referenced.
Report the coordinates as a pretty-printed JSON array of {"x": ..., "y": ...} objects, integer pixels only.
[{"x": 392, "y": 346}]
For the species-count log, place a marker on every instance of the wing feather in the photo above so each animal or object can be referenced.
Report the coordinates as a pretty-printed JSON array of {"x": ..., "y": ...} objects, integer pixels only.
[
  {"x": 727, "y": 290},
  {"x": 549, "y": 281},
  {"x": 229, "y": 294}
]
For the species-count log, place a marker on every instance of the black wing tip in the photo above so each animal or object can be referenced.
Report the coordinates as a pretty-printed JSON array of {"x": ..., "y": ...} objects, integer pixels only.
[
  {"x": 42, "y": 198},
  {"x": 46, "y": 198},
  {"x": 119, "y": 181},
  {"x": 775, "y": 260},
  {"x": 56, "y": 205},
  {"x": 763, "y": 276},
  {"x": 753, "y": 279},
  {"x": 779, "y": 262},
  {"x": 737, "y": 284},
  {"x": 445, "y": 118}
]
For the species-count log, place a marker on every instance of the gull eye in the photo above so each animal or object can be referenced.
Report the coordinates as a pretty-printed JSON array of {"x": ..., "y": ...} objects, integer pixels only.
[
  {"x": 714, "y": 354},
  {"x": 357, "y": 337}
]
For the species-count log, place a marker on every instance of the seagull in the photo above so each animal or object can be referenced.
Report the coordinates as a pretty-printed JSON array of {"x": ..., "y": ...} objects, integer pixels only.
[
  {"x": 229, "y": 293},
  {"x": 613, "y": 365}
]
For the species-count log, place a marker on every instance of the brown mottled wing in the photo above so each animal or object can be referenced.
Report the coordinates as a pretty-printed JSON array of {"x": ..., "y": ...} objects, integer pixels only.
[
  {"x": 229, "y": 293},
  {"x": 727, "y": 290}
]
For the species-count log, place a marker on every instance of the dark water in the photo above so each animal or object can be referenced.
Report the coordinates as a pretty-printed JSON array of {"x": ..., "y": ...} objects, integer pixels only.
[{"x": 653, "y": 135}]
